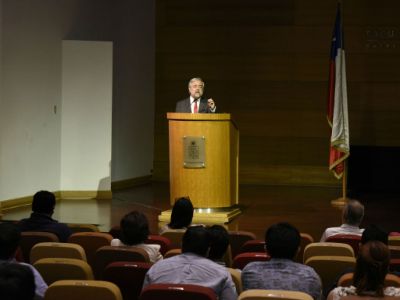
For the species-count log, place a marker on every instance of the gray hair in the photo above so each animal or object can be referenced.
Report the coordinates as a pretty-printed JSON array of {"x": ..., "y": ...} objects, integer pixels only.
[
  {"x": 196, "y": 79},
  {"x": 353, "y": 213}
]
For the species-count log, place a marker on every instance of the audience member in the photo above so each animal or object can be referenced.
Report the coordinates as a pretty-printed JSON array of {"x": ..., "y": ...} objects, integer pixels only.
[
  {"x": 43, "y": 205},
  {"x": 10, "y": 237},
  {"x": 16, "y": 282},
  {"x": 352, "y": 216},
  {"x": 369, "y": 276},
  {"x": 192, "y": 266},
  {"x": 181, "y": 216},
  {"x": 219, "y": 243},
  {"x": 374, "y": 233},
  {"x": 281, "y": 272},
  {"x": 134, "y": 232}
]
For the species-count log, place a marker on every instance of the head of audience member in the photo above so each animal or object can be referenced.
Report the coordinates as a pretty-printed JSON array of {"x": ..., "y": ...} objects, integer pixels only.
[
  {"x": 134, "y": 228},
  {"x": 374, "y": 233},
  {"x": 219, "y": 242},
  {"x": 371, "y": 268},
  {"x": 282, "y": 240},
  {"x": 196, "y": 239},
  {"x": 44, "y": 202},
  {"x": 182, "y": 213},
  {"x": 16, "y": 282},
  {"x": 10, "y": 235},
  {"x": 353, "y": 213}
]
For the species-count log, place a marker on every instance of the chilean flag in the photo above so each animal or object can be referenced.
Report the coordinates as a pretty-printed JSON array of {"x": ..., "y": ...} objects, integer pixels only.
[{"x": 338, "y": 117}]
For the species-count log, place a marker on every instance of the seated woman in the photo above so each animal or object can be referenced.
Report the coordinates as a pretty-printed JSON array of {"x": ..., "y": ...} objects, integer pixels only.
[
  {"x": 181, "y": 216},
  {"x": 134, "y": 232},
  {"x": 219, "y": 243},
  {"x": 369, "y": 276}
]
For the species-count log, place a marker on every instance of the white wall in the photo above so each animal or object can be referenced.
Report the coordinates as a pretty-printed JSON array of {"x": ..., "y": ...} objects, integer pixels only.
[
  {"x": 86, "y": 115},
  {"x": 30, "y": 86}
]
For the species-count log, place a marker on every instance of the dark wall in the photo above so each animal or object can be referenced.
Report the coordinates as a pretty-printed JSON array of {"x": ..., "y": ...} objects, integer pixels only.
[{"x": 266, "y": 62}]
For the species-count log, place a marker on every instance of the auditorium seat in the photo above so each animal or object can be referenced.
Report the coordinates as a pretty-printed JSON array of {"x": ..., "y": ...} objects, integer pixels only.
[
  {"x": 128, "y": 276},
  {"x": 173, "y": 252},
  {"x": 241, "y": 260},
  {"x": 91, "y": 242},
  {"x": 273, "y": 295},
  {"x": 108, "y": 254},
  {"x": 327, "y": 249},
  {"x": 237, "y": 240},
  {"x": 237, "y": 279},
  {"x": 31, "y": 238},
  {"x": 78, "y": 227},
  {"x": 164, "y": 242},
  {"x": 83, "y": 289},
  {"x": 177, "y": 292},
  {"x": 394, "y": 240},
  {"x": 253, "y": 246},
  {"x": 175, "y": 237},
  {"x": 57, "y": 250},
  {"x": 54, "y": 269},
  {"x": 350, "y": 239},
  {"x": 305, "y": 239}
]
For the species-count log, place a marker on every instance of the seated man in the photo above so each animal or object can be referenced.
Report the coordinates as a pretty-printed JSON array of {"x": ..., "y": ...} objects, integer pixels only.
[
  {"x": 9, "y": 241},
  {"x": 192, "y": 267},
  {"x": 352, "y": 216},
  {"x": 219, "y": 243},
  {"x": 40, "y": 220},
  {"x": 16, "y": 282},
  {"x": 281, "y": 272}
]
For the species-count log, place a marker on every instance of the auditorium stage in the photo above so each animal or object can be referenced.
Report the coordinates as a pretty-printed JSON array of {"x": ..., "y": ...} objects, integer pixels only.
[{"x": 308, "y": 208}]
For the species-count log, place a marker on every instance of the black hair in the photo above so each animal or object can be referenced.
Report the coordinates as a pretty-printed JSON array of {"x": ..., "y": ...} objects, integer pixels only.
[
  {"x": 219, "y": 242},
  {"x": 182, "y": 213},
  {"x": 374, "y": 233},
  {"x": 43, "y": 202},
  {"x": 196, "y": 240},
  {"x": 10, "y": 235},
  {"x": 134, "y": 228},
  {"x": 16, "y": 282},
  {"x": 282, "y": 240}
]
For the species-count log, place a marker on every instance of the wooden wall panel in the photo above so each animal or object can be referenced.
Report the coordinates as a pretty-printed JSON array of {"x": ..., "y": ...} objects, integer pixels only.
[{"x": 266, "y": 63}]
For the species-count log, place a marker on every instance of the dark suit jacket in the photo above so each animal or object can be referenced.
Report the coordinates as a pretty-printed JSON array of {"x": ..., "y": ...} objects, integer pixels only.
[{"x": 183, "y": 106}]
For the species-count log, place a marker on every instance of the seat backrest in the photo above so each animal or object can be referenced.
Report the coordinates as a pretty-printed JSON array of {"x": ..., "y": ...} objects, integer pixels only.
[
  {"x": 327, "y": 249},
  {"x": 273, "y": 295},
  {"x": 394, "y": 265},
  {"x": 390, "y": 280},
  {"x": 31, "y": 238},
  {"x": 77, "y": 227},
  {"x": 237, "y": 279},
  {"x": 305, "y": 239},
  {"x": 128, "y": 276},
  {"x": 54, "y": 269},
  {"x": 253, "y": 246},
  {"x": 330, "y": 267},
  {"x": 175, "y": 237},
  {"x": 91, "y": 242},
  {"x": 173, "y": 252},
  {"x": 237, "y": 240},
  {"x": 241, "y": 260},
  {"x": 394, "y": 252},
  {"x": 177, "y": 292},
  {"x": 83, "y": 289},
  {"x": 108, "y": 254},
  {"x": 165, "y": 243},
  {"x": 57, "y": 250},
  {"x": 115, "y": 231},
  {"x": 350, "y": 239},
  {"x": 394, "y": 240}
]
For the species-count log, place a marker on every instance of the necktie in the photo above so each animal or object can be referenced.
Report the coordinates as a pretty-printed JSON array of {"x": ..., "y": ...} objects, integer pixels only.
[{"x": 195, "y": 109}]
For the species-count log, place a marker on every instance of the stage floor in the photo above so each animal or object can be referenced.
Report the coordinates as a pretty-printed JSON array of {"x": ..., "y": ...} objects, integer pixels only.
[{"x": 308, "y": 208}]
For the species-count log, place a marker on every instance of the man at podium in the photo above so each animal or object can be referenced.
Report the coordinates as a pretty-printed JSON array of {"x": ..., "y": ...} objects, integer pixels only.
[{"x": 195, "y": 103}]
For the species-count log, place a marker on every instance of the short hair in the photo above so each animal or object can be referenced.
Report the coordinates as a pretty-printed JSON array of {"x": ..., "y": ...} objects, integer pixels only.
[
  {"x": 16, "y": 282},
  {"x": 10, "y": 236},
  {"x": 219, "y": 241},
  {"x": 43, "y": 202},
  {"x": 134, "y": 228},
  {"x": 282, "y": 240},
  {"x": 196, "y": 79},
  {"x": 371, "y": 268},
  {"x": 374, "y": 233},
  {"x": 353, "y": 213},
  {"x": 196, "y": 240},
  {"x": 182, "y": 213}
]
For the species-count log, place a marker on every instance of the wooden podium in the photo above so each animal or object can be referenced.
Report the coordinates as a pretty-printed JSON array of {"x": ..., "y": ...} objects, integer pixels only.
[{"x": 204, "y": 162}]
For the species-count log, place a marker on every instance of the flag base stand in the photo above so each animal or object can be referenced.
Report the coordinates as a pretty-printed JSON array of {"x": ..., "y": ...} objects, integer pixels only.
[{"x": 339, "y": 202}]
